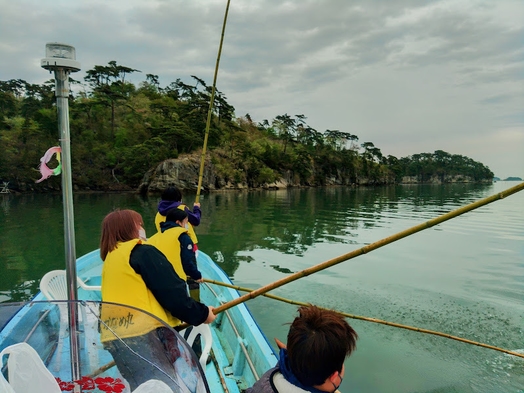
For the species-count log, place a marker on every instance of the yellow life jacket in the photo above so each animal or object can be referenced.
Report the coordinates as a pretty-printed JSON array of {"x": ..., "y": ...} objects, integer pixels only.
[
  {"x": 121, "y": 284},
  {"x": 159, "y": 218},
  {"x": 167, "y": 242}
]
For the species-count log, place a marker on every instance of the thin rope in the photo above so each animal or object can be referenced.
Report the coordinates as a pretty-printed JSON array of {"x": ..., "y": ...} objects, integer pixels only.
[
  {"x": 368, "y": 319},
  {"x": 117, "y": 337},
  {"x": 210, "y": 110},
  {"x": 370, "y": 247}
]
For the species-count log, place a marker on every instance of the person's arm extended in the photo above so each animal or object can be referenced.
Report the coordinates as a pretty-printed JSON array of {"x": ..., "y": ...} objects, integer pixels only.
[
  {"x": 187, "y": 254},
  {"x": 169, "y": 289},
  {"x": 194, "y": 216}
]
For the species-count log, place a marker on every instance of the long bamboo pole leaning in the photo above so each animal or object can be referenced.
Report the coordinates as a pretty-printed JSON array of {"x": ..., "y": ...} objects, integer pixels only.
[
  {"x": 210, "y": 110},
  {"x": 373, "y": 246},
  {"x": 370, "y": 247},
  {"x": 366, "y": 249},
  {"x": 368, "y": 319}
]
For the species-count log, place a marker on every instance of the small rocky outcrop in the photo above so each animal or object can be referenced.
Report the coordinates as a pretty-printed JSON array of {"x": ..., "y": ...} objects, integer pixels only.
[{"x": 181, "y": 172}]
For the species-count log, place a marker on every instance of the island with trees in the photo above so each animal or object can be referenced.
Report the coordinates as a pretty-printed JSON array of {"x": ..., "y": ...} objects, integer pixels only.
[{"x": 127, "y": 137}]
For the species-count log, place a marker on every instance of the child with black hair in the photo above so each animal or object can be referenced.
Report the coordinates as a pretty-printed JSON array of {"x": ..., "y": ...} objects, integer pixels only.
[
  {"x": 172, "y": 198},
  {"x": 318, "y": 342},
  {"x": 175, "y": 243}
]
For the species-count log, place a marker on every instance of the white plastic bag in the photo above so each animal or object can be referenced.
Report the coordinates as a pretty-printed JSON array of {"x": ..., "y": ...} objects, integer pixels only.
[
  {"x": 26, "y": 372},
  {"x": 153, "y": 386}
]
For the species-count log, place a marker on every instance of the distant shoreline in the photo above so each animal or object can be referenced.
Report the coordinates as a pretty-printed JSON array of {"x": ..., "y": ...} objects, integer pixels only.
[
  {"x": 511, "y": 178},
  {"x": 208, "y": 191}
]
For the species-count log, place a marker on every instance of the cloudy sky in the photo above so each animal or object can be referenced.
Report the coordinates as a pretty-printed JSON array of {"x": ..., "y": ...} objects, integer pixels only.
[{"x": 409, "y": 76}]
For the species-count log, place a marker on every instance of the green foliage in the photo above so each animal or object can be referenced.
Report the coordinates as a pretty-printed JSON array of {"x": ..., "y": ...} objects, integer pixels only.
[
  {"x": 136, "y": 159},
  {"x": 267, "y": 175},
  {"x": 442, "y": 164},
  {"x": 119, "y": 132},
  {"x": 227, "y": 170}
]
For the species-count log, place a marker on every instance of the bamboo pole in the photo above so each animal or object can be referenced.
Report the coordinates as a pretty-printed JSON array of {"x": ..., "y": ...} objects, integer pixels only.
[
  {"x": 210, "y": 110},
  {"x": 374, "y": 320},
  {"x": 370, "y": 247}
]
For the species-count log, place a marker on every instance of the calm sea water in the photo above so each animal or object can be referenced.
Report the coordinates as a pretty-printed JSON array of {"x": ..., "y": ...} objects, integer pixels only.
[{"x": 464, "y": 277}]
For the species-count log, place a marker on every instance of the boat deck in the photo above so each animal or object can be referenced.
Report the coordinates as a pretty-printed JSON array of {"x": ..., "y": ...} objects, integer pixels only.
[{"x": 240, "y": 353}]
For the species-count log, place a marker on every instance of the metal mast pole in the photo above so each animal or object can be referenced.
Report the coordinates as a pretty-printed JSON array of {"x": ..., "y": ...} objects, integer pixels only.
[
  {"x": 61, "y": 59},
  {"x": 62, "y": 96}
]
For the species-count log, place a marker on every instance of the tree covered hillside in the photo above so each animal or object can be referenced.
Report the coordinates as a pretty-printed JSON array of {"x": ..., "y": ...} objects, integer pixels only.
[{"x": 119, "y": 131}]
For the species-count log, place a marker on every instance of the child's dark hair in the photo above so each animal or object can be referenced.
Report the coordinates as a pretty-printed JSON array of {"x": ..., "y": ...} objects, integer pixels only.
[
  {"x": 318, "y": 342},
  {"x": 176, "y": 214},
  {"x": 171, "y": 194}
]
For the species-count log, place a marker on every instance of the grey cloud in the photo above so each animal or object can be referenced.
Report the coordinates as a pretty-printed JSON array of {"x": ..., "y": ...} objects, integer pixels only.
[
  {"x": 498, "y": 99},
  {"x": 462, "y": 38},
  {"x": 513, "y": 119},
  {"x": 389, "y": 71}
]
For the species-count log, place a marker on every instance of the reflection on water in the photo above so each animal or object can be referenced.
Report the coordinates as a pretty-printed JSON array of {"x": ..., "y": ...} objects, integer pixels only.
[
  {"x": 464, "y": 277},
  {"x": 5, "y": 201}
]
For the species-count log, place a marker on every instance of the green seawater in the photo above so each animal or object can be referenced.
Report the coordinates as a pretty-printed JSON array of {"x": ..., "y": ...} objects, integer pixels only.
[{"x": 464, "y": 277}]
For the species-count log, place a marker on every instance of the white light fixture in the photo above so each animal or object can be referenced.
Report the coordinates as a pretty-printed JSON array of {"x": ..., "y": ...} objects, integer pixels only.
[{"x": 60, "y": 56}]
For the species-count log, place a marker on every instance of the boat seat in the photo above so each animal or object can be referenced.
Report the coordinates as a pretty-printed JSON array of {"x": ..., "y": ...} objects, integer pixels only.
[
  {"x": 153, "y": 386},
  {"x": 54, "y": 287},
  {"x": 26, "y": 371},
  {"x": 205, "y": 333}
]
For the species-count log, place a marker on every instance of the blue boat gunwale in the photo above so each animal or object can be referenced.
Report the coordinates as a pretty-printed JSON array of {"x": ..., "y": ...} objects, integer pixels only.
[
  {"x": 89, "y": 268},
  {"x": 242, "y": 308},
  {"x": 85, "y": 263}
]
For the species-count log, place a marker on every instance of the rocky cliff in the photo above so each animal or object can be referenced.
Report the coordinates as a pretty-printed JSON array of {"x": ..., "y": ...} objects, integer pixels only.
[{"x": 183, "y": 173}]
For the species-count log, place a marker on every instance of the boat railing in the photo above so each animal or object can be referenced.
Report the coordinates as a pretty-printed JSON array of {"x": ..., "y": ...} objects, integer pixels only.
[
  {"x": 110, "y": 337},
  {"x": 237, "y": 334}
]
